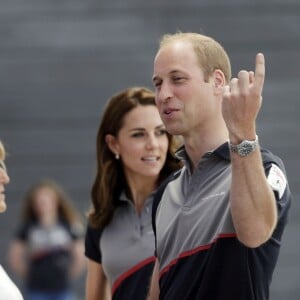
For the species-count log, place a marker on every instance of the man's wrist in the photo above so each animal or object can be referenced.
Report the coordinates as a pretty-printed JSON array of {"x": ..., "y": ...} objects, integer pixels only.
[{"x": 244, "y": 148}]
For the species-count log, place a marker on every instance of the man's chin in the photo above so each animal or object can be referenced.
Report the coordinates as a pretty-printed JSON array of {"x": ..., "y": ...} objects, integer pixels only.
[{"x": 174, "y": 130}]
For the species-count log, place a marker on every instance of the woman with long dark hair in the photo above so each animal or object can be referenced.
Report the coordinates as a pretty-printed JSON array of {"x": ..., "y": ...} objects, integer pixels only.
[{"x": 134, "y": 155}]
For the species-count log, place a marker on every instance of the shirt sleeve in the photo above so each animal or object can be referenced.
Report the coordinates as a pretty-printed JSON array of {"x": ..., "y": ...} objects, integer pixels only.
[
  {"x": 92, "y": 244},
  {"x": 277, "y": 179},
  {"x": 77, "y": 231},
  {"x": 21, "y": 233}
]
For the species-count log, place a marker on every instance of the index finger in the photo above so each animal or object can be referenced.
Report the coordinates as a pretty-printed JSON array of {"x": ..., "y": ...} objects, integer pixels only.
[{"x": 259, "y": 74}]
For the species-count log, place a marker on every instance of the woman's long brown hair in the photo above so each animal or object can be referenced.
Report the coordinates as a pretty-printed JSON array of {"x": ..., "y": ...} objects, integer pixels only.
[
  {"x": 110, "y": 179},
  {"x": 65, "y": 209}
]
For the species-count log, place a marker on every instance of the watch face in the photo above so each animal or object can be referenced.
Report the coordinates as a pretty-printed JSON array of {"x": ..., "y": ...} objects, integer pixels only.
[{"x": 246, "y": 149}]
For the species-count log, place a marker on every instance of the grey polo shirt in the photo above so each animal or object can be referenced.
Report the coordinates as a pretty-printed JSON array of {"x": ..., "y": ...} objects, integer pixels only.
[
  {"x": 196, "y": 245},
  {"x": 125, "y": 249}
]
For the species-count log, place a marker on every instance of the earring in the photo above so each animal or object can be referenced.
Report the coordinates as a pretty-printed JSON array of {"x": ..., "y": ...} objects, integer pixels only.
[{"x": 117, "y": 156}]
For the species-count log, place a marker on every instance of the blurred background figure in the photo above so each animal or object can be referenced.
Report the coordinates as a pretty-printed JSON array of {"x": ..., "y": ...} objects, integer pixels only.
[
  {"x": 134, "y": 155},
  {"x": 8, "y": 290},
  {"x": 47, "y": 249}
]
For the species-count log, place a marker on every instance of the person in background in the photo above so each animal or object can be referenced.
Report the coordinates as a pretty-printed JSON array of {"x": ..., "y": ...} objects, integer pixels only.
[
  {"x": 8, "y": 289},
  {"x": 219, "y": 222},
  {"x": 134, "y": 155},
  {"x": 47, "y": 250}
]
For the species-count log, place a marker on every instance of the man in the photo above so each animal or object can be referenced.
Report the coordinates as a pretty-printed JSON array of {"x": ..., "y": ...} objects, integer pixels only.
[{"x": 218, "y": 222}]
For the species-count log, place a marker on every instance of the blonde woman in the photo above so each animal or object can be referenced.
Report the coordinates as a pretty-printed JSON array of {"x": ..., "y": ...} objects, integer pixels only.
[{"x": 8, "y": 290}]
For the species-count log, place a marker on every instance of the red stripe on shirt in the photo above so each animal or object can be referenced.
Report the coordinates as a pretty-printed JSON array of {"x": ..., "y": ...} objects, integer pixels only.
[
  {"x": 132, "y": 271},
  {"x": 194, "y": 251}
]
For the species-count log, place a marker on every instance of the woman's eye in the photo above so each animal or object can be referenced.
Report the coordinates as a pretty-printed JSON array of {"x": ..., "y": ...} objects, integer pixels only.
[
  {"x": 138, "y": 134},
  {"x": 2, "y": 166},
  {"x": 162, "y": 132}
]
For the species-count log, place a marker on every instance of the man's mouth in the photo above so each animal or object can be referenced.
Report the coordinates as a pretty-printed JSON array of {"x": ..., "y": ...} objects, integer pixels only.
[{"x": 168, "y": 111}]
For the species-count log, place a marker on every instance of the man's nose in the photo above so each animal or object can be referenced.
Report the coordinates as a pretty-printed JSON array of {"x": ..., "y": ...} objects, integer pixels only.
[
  {"x": 165, "y": 93},
  {"x": 4, "y": 176}
]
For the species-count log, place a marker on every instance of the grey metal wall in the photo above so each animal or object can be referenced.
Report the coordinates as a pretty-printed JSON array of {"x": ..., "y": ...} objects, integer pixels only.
[{"x": 61, "y": 60}]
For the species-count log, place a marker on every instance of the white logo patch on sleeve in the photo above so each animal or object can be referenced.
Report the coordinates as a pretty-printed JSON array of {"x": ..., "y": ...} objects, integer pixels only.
[{"x": 277, "y": 180}]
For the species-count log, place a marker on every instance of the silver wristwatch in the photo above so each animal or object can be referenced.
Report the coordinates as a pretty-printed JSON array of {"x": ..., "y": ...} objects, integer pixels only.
[{"x": 245, "y": 147}]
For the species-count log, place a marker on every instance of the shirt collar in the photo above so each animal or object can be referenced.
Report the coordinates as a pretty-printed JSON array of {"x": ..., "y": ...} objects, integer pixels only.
[
  {"x": 124, "y": 199},
  {"x": 222, "y": 151}
]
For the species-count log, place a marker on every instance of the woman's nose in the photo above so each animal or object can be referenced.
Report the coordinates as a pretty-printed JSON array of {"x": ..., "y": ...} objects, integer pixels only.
[
  {"x": 4, "y": 178},
  {"x": 152, "y": 141}
]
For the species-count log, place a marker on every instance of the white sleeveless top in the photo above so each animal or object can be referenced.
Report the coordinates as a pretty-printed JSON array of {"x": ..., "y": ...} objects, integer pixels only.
[{"x": 8, "y": 290}]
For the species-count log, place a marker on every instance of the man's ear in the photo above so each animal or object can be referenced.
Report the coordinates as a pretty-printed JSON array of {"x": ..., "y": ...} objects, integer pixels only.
[
  {"x": 218, "y": 81},
  {"x": 112, "y": 143}
]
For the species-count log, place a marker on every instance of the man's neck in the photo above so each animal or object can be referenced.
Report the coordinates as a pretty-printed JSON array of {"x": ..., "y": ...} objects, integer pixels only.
[{"x": 197, "y": 146}]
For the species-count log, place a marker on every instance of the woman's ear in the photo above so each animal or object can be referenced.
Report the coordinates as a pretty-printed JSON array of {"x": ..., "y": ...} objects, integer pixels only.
[{"x": 112, "y": 144}]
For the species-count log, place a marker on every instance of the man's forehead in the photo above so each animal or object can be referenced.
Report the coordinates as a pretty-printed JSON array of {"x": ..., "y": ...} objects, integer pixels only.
[
  {"x": 175, "y": 53},
  {"x": 167, "y": 64}
]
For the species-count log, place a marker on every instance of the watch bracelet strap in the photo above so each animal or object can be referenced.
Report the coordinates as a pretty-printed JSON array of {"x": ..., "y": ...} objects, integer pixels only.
[{"x": 234, "y": 147}]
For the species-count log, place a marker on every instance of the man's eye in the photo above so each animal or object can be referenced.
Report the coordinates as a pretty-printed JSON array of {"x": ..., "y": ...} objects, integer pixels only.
[
  {"x": 176, "y": 79},
  {"x": 157, "y": 84}
]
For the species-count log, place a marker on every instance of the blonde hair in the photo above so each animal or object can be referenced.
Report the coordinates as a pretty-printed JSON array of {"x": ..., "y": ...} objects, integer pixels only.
[
  {"x": 211, "y": 55},
  {"x": 2, "y": 151}
]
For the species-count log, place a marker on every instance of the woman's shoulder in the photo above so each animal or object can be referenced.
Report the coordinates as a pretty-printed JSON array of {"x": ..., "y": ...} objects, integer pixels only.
[{"x": 8, "y": 289}]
